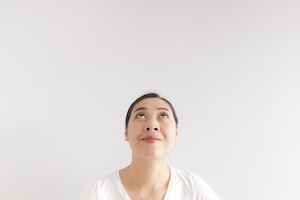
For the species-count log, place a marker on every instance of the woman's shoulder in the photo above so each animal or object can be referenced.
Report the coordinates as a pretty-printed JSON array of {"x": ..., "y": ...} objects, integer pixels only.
[
  {"x": 106, "y": 187},
  {"x": 107, "y": 182},
  {"x": 107, "y": 178},
  {"x": 186, "y": 176},
  {"x": 184, "y": 180}
]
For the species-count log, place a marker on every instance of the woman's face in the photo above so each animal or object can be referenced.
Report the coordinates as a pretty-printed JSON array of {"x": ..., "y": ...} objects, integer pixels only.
[{"x": 152, "y": 130}]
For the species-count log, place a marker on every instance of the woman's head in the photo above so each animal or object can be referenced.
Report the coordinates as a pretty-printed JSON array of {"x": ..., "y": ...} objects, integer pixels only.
[
  {"x": 151, "y": 127},
  {"x": 145, "y": 96}
]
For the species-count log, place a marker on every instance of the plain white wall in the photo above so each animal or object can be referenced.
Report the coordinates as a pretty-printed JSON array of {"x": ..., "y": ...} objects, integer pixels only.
[{"x": 70, "y": 69}]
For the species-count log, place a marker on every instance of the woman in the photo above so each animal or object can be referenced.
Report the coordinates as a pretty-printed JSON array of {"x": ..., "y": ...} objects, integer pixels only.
[{"x": 151, "y": 129}]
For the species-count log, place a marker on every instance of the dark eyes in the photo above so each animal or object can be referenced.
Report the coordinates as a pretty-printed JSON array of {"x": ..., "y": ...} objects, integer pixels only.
[
  {"x": 143, "y": 116},
  {"x": 140, "y": 116},
  {"x": 164, "y": 115}
]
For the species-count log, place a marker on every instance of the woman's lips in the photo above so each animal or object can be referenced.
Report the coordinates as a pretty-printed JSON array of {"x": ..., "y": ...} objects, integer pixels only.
[{"x": 151, "y": 139}]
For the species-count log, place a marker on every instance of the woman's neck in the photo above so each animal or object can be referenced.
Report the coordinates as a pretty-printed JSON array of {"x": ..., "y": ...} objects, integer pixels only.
[
  {"x": 146, "y": 179},
  {"x": 148, "y": 173}
]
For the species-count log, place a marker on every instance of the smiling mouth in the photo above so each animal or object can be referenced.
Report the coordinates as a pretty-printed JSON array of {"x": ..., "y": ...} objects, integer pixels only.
[{"x": 151, "y": 140}]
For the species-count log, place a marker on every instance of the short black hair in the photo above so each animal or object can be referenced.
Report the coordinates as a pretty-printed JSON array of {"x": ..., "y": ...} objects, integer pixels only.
[{"x": 145, "y": 96}]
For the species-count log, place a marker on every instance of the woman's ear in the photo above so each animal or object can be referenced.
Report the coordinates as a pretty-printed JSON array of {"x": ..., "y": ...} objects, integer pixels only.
[{"x": 126, "y": 134}]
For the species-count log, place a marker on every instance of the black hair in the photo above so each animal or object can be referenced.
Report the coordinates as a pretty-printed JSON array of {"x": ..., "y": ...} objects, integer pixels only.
[{"x": 145, "y": 96}]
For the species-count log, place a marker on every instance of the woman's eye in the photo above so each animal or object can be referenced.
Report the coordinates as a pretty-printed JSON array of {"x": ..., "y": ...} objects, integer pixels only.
[
  {"x": 164, "y": 115},
  {"x": 140, "y": 116}
]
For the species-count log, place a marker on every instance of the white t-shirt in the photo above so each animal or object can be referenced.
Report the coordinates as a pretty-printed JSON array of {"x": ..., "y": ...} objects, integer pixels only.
[{"x": 183, "y": 185}]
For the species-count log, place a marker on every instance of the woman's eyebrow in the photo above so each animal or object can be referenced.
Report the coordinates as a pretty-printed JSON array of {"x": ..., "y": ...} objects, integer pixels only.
[
  {"x": 144, "y": 108},
  {"x": 162, "y": 108},
  {"x": 141, "y": 108}
]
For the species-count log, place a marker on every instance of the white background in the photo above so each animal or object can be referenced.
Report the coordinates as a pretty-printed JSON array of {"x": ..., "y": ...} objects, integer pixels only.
[{"x": 70, "y": 69}]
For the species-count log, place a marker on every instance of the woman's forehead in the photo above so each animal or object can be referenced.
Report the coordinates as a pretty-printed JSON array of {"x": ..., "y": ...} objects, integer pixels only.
[{"x": 152, "y": 103}]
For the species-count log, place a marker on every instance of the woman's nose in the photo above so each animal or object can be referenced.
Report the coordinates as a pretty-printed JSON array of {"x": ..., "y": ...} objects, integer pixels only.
[
  {"x": 147, "y": 128},
  {"x": 151, "y": 126}
]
